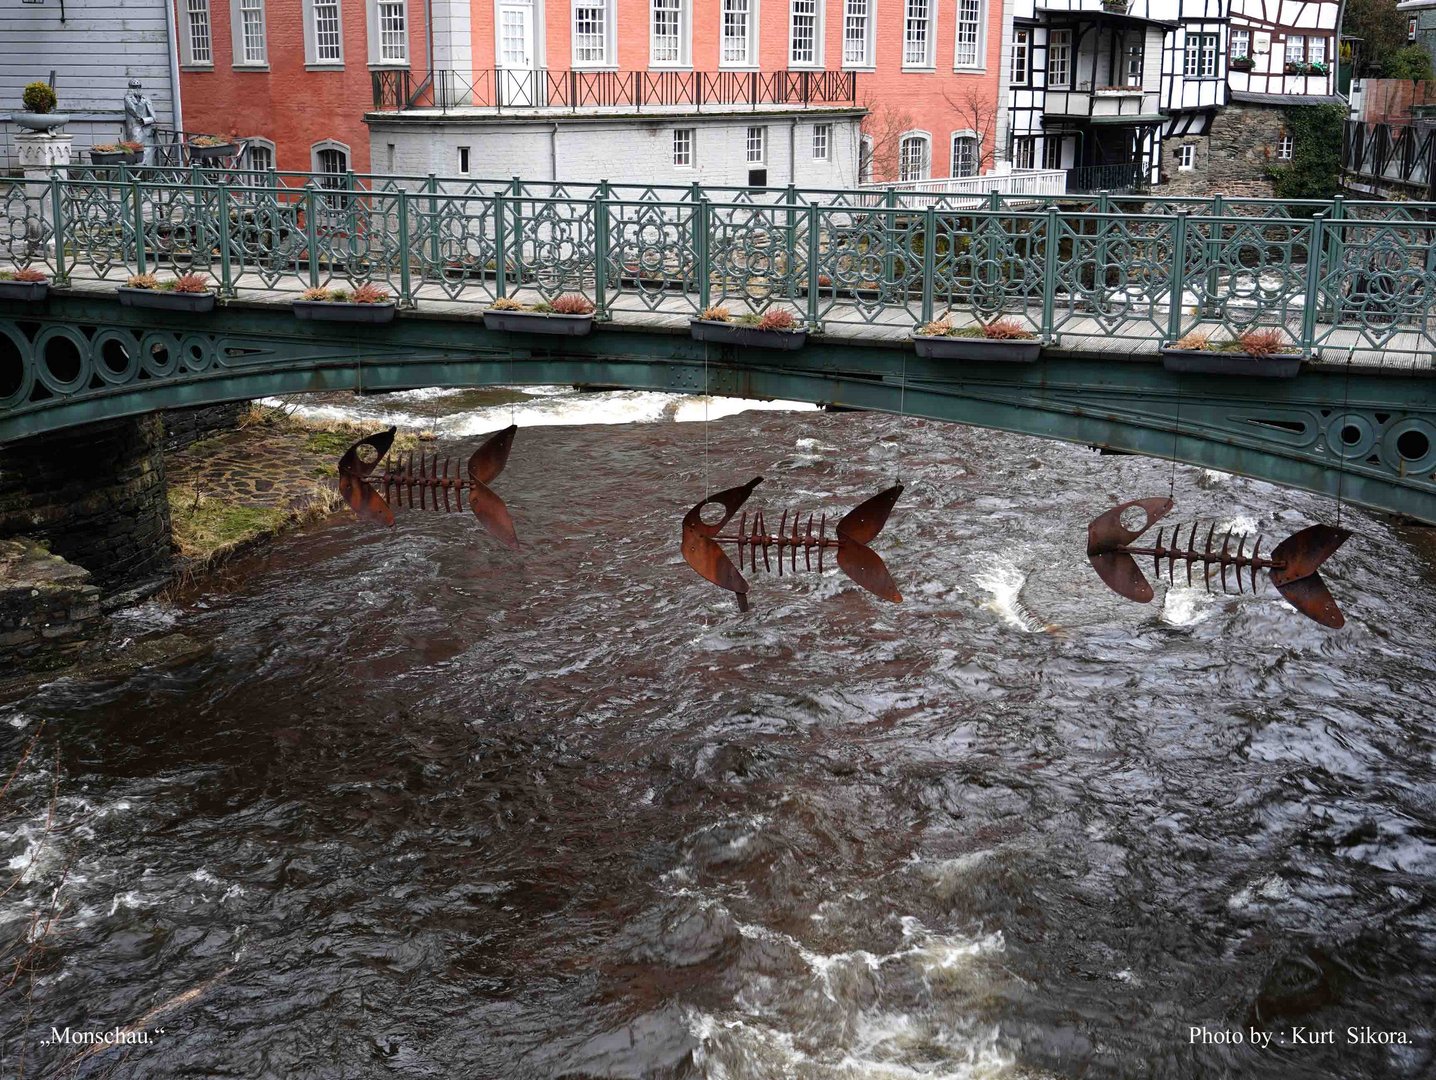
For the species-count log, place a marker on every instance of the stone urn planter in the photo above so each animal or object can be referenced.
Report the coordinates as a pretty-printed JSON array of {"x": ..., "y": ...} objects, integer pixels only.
[
  {"x": 166, "y": 299},
  {"x": 733, "y": 333},
  {"x": 978, "y": 349},
  {"x": 1211, "y": 362},
  {"x": 41, "y": 123}
]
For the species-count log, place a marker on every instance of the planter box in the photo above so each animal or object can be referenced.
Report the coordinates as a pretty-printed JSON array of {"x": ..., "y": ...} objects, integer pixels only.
[
  {"x": 209, "y": 153},
  {"x": 163, "y": 300},
  {"x": 343, "y": 311},
  {"x": 1206, "y": 362},
  {"x": 539, "y": 322},
  {"x": 27, "y": 292},
  {"x": 983, "y": 350},
  {"x": 117, "y": 157},
  {"x": 727, "y": 333}
]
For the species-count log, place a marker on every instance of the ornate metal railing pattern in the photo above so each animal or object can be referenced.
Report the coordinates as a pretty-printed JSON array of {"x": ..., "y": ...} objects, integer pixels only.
[
  {"x": 1335, "y": 276},
  {"x": 499, "y": 88}
]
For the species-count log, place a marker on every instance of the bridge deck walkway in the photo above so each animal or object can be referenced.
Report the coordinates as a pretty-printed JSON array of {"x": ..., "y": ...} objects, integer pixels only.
[{"x": 1136, "y": 338}]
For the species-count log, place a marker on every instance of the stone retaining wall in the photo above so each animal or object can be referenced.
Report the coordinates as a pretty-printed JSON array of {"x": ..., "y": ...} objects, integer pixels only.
[
  {"x": 46, "y": 603},
  {"x": 1232, "y": 159},
  {"x": 186, "y": 426},
  {"x": 95, "y": 495}
]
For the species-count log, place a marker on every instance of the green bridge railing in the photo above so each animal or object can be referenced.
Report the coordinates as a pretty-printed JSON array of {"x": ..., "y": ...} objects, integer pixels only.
[{"x": 1344, "y": 277}]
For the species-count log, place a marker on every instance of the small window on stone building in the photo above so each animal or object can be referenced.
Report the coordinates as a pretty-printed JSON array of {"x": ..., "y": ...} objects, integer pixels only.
[
  {"x": 1283, "y": 147},
  {"x": 1186, "y": 157},
  {"x": 1411, "y": 28},
  {"x": 683, "y": 148},
  {"x": 463, "y": 161}
]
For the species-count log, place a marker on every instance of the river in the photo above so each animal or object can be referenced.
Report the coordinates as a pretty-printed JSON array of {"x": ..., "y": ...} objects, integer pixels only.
[{"x": 427, "y": 808}]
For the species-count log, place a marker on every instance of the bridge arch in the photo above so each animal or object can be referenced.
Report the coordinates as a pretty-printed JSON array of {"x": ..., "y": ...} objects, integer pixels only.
[{"x": 1367, "y": 436}]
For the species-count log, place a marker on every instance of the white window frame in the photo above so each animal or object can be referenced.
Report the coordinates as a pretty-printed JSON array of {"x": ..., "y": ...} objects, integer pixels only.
[
  {"x": 822, "y": 142},
  {"x": 197, "y": 20},
  {"x": 970, "y": 139},
  {"x": 728, "y": 12},
  {"x": 859, "y": 18},
  {"x": 1284, "y": 147},
  {"x": 312, "y": 58},
  {"x": 373, "y": 19},
  {"x": 1411, "y": 28},
  {"x": 685, "y": 147},
  {"x": 923, "y": 139},
  {"x": 1199, "y": 60},
  {"x": 811, "y": 11},
  {"x": 1052, "y": 152},
  {"x": 1135, "y": 55},
  {"x": 1019, "y": 69},
  {"x": 607, "y": 50},
  {"x": 464, "y": 166},
  {"x": 970, "y": 33},
  {"x": 1186, "y": 157},
  {"x": 867, "y": 151},
  {"x": 316, "y": 152},
  {"x": 917, "y": 36},
  {"x": 1244, "y": 37},
  {"x": 1314, "y": 45},
  {"x": 1024, "y": 152},
  {"x": 250, "y": 146},
  {"x": 1059, "y": 59},
  {"x": 243, "y": 56},
  {"x": 755, "y": 145},
  {"x": 1298, "y": 55},
  {"x": 682, "y": 57}
]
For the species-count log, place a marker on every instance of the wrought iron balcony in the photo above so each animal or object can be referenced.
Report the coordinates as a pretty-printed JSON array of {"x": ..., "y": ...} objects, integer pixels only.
[
  {"x": 1121, "y": 178},
  {"x": 540, "y": 88}
]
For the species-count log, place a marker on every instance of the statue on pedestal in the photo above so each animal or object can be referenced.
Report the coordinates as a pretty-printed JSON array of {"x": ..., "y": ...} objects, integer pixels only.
[{"x": 139, "y": 124}]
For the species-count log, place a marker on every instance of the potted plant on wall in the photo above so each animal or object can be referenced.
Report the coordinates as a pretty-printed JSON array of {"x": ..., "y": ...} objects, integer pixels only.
[
  {"x": 210, "y": 147},
  {"x": 120, "y": 153},
  {"x": 39, "y": 113},
  {"x": 776, "y": 328},
  {"x": 1241, "y": 63},
  {"x": 366, "y": 303},
  {"x": 1003, "y": 340},
  {"x": 189, "y": 292},
  {"x": 27, "y": 284},
  {"x": 570, "y": 315},
  {"x": 1261, "y": 352},
  {"x": 1295, "y": 67}
]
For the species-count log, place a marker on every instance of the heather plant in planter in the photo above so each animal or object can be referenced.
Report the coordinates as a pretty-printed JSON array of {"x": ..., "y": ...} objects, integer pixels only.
[
  {"x": 26, "y": 284},
  {"x": 367, "y": 303},
  {"x": 188, "y": 292},
  {"x": 570, "y": 315},
  {"x": 776, "y": 328},
  {"x": 1004, "y": 340},
  {"x": 1263, "y": 352},
  {"x": 120, "y": 153}
]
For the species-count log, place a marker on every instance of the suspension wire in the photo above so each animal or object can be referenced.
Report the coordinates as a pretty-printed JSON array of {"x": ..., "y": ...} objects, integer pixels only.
[
  {"x": 1345, "y": 412},
  {"x": 1176, "y": 434},
  {"x": 707, "y": 435}
]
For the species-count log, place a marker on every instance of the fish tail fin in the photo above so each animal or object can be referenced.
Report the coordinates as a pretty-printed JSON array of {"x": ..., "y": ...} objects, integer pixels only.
[
  {"x": 1296, "y": 574},
  {"x": 493, "y": 514},
  {"x": 866, "y": 567}
]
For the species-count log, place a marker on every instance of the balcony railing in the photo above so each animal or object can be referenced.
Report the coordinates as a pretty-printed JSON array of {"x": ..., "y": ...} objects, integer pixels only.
[
  {"x": 1119, "y": 178},
  {"x": 540, "y": 88},
  {"x": 956, "y": 192}
]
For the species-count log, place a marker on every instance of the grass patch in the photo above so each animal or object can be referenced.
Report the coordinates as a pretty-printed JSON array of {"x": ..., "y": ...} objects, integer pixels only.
[{"x": 207, "y": 529}]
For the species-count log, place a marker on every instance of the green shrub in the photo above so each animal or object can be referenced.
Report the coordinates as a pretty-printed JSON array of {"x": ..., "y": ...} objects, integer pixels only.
[
  {"x": 1315, "y": 168},
  {"x": 38, "y": 98}
]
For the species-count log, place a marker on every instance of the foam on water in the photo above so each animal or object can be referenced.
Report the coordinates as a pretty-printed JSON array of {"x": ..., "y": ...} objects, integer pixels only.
[{"x": 1002, "y": 580}]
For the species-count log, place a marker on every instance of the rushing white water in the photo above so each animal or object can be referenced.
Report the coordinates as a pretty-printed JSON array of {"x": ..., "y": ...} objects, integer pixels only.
[{"x": 545, "y": 406}]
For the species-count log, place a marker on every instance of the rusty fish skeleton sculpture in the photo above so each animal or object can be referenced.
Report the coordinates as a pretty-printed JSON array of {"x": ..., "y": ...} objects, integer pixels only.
[
  {"x": 703, "y": 542},
  {"x": 431, "y": 479},
  {"x": 1291, "y": 566}
]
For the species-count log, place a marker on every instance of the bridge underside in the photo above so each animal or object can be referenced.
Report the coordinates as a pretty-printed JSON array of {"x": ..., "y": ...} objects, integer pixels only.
[{"x": 1366, "y": 436}]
